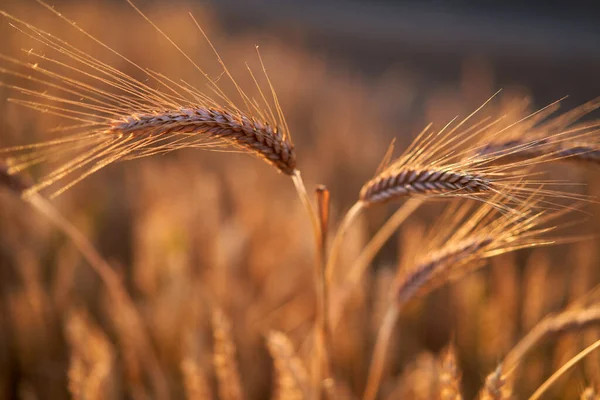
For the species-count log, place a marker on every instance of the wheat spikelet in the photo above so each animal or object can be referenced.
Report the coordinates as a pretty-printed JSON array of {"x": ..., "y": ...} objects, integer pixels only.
[
  {"x": 449, "y": 375},
  {"x": 224, "y": 359},
  {"x": 115, "y": 116},
  {"x": 291, "y": 375},
  {"x": 91, "y": 362},
  {"x": 194, "y": 380}
]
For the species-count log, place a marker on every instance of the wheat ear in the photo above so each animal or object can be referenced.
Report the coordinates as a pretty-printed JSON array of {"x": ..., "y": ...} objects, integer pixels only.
[
  {"x": 224, "y": 358},
  {"x": 449, "y": 375},
  {"x": 469, "y": 238},
  {"x": 194, "y": 380},
  {"x": 291, "y": 375},
  {"x": 119, "y": 117}
]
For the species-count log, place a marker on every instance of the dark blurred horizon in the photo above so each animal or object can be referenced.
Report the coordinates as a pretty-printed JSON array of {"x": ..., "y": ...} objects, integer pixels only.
[{"x": 552, "y": 50}]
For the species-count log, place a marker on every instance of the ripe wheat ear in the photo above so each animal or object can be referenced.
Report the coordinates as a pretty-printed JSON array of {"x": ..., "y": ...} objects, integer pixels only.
[
  {"x": 460, "y": 242},
  {"x": 452, "y": 162},
  {"x": 115, "y": 116}
]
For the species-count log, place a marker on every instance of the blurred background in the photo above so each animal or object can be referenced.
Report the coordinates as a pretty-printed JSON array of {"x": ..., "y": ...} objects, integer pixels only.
[{"x": 192, "y": 230}]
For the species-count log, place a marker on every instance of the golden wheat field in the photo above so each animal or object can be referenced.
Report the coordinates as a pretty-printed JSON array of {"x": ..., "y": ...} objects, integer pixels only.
[{"x": 184, "y": 214}]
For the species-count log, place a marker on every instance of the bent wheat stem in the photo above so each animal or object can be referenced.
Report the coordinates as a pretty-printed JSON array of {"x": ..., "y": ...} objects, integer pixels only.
[{"x": 336, "y": 246}]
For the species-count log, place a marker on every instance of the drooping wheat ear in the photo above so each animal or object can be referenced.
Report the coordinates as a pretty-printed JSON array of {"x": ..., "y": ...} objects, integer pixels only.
[
  {"x": 291, "y": 381},
  {"x": 224, "y": 358},
  {"x": 110, "y": 115},
  {"x": 449, "y": 375},
  {"x": 462, "y": 241},
  {"x": 258, "y": 138},
  {"x": 467, "y": 235}
]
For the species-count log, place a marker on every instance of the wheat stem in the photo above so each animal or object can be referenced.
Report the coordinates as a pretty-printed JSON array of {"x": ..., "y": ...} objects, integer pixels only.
[
  {"x": 367, "y": 255},
  {"x": 378, "y": 361},
  {"x": 338, "y": 240}
]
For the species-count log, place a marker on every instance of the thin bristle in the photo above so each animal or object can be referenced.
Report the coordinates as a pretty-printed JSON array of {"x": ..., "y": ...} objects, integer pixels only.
[{"x": 13, "y": 182}]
